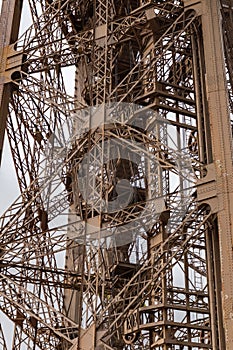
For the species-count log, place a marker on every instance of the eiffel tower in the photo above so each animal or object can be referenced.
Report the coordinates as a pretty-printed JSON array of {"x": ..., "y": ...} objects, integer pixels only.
[{"x": 117, "y": 114}]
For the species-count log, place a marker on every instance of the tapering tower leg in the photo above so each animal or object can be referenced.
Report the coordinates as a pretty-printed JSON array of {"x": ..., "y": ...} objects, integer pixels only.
[
  {"x": 9, "y": 27},
  {"x": 217, "y": 120}
]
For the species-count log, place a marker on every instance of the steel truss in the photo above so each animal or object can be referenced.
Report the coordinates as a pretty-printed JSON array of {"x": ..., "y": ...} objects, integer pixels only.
[{"x": 141, "y": 72}]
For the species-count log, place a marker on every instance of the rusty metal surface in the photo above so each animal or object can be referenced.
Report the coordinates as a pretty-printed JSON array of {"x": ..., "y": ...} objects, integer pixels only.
[
  {"x": 9, "y": 24},
  {"x": 149, "y": 77}
]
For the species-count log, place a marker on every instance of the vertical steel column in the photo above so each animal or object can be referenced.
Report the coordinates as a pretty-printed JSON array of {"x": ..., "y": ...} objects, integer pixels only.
[
  {"x": 221, "y": 149},
  {"x": 9, "y": 28}
]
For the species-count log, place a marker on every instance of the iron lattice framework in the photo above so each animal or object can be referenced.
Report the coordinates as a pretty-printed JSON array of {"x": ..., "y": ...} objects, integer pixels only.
[{"x": 147, "y": 70}]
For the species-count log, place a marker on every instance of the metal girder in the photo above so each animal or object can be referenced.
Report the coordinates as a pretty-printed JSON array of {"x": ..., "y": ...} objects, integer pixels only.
[
  {"x": 9, "y": 24},
  {"x": 221, "y": 143},
  {"x": 142, "y": 69}
]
